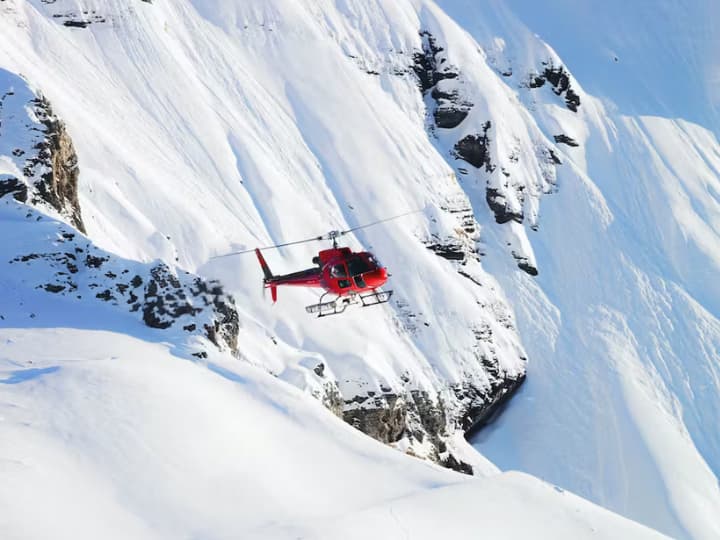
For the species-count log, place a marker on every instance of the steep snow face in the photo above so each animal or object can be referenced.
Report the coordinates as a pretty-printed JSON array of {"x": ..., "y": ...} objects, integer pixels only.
[
  {"x": 623, "y": 318},
  {"x": 648, "y": 59},
  {"x": 625, "y": 328},
  {"x": 208, "y": 127}
]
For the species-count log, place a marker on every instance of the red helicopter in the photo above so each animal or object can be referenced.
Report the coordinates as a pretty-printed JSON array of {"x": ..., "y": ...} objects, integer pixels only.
[{"x": 352, "y": 277}]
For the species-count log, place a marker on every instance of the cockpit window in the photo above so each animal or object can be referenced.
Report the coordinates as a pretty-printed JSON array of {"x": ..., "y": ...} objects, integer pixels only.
[
  {"x": 338, "y": 271},
  {"x": 357, "y": 265}
]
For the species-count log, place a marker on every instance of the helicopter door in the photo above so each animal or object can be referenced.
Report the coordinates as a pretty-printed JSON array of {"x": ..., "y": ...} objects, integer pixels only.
[
  {"x": 357, "y": 267},
  {"x": 339, "y": 272}
]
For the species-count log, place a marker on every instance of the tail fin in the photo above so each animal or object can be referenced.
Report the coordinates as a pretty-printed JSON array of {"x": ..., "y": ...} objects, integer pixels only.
[{"x": 268, "y": 281}]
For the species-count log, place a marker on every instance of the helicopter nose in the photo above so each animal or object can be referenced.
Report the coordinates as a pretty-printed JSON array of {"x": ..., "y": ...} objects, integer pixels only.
[{"x": 376, "y": 278}]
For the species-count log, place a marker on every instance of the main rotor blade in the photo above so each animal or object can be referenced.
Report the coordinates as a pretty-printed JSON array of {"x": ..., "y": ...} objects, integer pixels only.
[
  {"x": 327, "y": 236},
  {"x": 316, "y": 238},
  {"x": 341, "y": 233}
]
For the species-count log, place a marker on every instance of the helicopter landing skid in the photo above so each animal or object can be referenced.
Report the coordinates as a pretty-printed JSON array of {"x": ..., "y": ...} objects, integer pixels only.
[{"x": 337, "y": 306}]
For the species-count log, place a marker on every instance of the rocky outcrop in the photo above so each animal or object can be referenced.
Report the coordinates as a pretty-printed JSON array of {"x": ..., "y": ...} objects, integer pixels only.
[
  {"x": 475, "y": 149},
  {"x": 564, "y": 139},
  {"x": 498, "y": 204},
  {"x": 559, "y": 79},
  {"x": 36, "y": 142},
  {"x": 413, "y": 419},
  {"x": 524, "y": 264},
  {"x": 58, "y": 184},
  {"x": 14, "y": 187},
  {"x": 437, "y": 76},
  {"x": 450, "y": 250},
  {"x": 162, "y": 298}
]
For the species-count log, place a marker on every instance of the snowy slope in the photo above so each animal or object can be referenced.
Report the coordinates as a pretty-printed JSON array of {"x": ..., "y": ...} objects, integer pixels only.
[
  {"x": 623, "y": 318},
  {"x": 106, "y": 435},
  {"x": 198, "y": 129},
  {"x": 657, "y": 58},
  {"x": 204, "y": 127}
]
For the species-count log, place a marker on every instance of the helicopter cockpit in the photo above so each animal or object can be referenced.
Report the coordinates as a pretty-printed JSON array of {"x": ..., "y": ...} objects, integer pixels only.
[{"x": 352, "y": 270}]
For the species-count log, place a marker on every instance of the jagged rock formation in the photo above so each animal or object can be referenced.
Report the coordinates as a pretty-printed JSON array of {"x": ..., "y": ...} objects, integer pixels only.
[
  {"x": 506, "y": 196},
  {"x": 498, "y": 204},
  {"x": 434, "y": 74},
  {"x": 559, "y": 79},
  {"x": 475, "y": 149},
  {"x": 421, "y": 419},
  {"x": 564, "y": 139},
  {"x": 34, "y": 140},
  {"x": 67, "y": 264}
]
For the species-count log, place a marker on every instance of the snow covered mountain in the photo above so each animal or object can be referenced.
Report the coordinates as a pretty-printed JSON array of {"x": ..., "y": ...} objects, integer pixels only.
[{"x": 201, "y": 127}]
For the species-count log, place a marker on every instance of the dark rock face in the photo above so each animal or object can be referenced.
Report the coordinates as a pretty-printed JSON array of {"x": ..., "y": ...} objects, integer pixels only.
[
  {"x": 497, "y": 203},
  {"x": 449, "y": 251},
  {"x": 451, "y": 109},
  {"x": 430, "y": 67},
  {"x": 59, "y": 185},
  {"x": 38, "y": 143},
  {"x": 424, "y": 418},
  {"x": 483, "y": 412},
  {"x": 528, "y": 268},
  {"x": 161, "y": 297},
  {"x": 560, "y": 81},
  {"x": 426, "y": 63},
  {"x": 564, "y": 139},
  {"x": 382, "y": 417},
  {"x": 413, "y": 414},
  {"x": 461, "y": 247},
  {"x": 475, "y": 149},
  {"x": 13, "y": 186},
  {"x": 78, "y": 19}
]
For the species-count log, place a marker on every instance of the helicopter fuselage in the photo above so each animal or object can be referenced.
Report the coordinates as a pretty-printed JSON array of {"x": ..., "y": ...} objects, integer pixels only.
[{"x": 338, "y": 271}]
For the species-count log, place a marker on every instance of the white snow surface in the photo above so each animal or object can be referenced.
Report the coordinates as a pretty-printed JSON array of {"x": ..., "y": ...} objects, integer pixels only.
[
  {"x": 208, "y": 126},
  {"x": 106, "y": 435}
]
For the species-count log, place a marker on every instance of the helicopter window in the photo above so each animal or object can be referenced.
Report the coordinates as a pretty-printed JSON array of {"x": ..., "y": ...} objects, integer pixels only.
[
  {"x": 360, "y": 282},
  {"x": 358, "y": 266},
  {"x": 338, "y": 271},
  {"x": 343, "y": 283}
]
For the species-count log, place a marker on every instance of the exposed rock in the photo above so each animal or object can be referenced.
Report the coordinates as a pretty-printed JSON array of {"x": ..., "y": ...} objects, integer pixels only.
[
  {"x": 332, "y": 399},
  {"x": 167, "y": 299},
  {"x": 49, "y": 287},
  {"x": 450, "y": 108},
  {"x": 13, "y": 186},
  {"x": 40, "y": 147},
  {"x": 475, "y": 149},
  {"x": 450, "y": 251},
  {"x": 498, "y": 204},
  {"x": 431, "y": 68},
  {"x": 426, "y": 63},
  {"x": 383, "y": 417},
  {"x": 560, "y": 81},
  {"x": 58, "y": 185},
  {"x": 479, "y": 416},
  {"x": 420, "y": 417},
  {"x": 524, "y": 264},
  {"x": 564, "y": 139}
]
